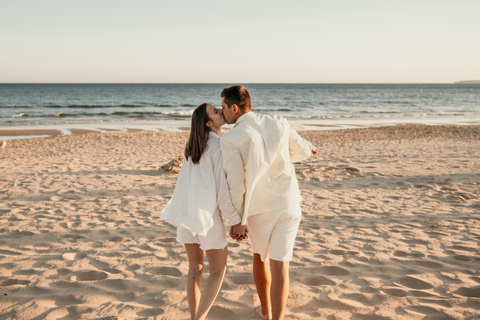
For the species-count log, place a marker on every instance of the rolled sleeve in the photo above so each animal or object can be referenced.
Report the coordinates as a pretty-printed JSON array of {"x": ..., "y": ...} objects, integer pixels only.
[
  {"x": 233, "y": 168},
  {"x": 223, "y": 195},
  {"x": 299, "y": 148}
]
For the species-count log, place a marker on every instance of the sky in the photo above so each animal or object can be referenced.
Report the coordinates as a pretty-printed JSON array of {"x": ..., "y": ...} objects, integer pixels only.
[{"x": 156, "y": 41}]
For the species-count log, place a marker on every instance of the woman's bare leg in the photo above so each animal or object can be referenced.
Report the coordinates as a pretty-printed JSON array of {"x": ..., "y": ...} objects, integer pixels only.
[
  {"x": 194, "y": 277},
  {"x": 217, "y": 263}
]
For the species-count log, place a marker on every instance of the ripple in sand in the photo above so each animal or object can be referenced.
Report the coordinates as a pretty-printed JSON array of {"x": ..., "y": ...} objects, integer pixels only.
[
  {"x": 428, "y": 264},
  {"x": 91, "y": 276},
  {"x": 413, "y": 283}
]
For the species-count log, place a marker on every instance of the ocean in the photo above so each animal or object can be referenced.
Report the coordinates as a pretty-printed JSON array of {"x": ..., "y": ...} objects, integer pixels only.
[{"x": 168, "y": 107}]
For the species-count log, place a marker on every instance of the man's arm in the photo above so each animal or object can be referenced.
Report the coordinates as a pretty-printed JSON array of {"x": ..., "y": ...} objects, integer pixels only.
[
  {"x": 223, "y": 194},
  {"x": 235, "y": 172},
  {"x": 299, "y": 148}
]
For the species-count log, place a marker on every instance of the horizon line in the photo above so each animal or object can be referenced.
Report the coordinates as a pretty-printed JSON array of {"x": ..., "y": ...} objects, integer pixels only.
[{"x": 456, "y": 82}]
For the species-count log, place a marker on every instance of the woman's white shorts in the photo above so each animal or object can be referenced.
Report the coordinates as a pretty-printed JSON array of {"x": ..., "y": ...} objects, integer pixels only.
[
  {"x": 216, "y": 237},
  {"x": 273, "y": 234}
]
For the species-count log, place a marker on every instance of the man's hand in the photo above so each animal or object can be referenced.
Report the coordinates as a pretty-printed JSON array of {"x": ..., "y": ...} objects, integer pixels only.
[{"x": 239, "y": 232}]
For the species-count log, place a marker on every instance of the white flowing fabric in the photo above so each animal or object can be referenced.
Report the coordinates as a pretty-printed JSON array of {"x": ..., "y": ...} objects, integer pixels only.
[{"x": 201, "y": 190}]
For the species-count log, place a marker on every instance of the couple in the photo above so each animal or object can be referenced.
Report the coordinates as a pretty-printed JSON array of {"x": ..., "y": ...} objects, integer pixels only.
[{"x": 248, "y": 178}]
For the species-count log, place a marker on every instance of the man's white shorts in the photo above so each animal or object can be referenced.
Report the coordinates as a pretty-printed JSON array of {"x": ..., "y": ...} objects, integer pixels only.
[
  {"x": 273, "y": 234},
  {"x": 216, "y": 237}
]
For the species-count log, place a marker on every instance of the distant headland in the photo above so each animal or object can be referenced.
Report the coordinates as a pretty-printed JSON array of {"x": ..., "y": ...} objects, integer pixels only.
[{"x": 468, "y": 81}]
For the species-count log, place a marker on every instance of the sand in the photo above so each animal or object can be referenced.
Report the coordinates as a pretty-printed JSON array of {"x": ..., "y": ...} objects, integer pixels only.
[{"x": 390, "y": 229}]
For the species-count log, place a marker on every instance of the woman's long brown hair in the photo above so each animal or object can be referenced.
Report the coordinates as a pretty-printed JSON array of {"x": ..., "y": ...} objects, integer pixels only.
[{"x": 197, "y": 142}]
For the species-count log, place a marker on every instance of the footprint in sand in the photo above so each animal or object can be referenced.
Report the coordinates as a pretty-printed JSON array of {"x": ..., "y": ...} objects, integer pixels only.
[
  {"x": 242, "y": 279},
  {"x": 91, "y": 276},
  {"x": 316, "y": 281},
  {"x": 473, "y": 292},
  {"x": 27, "y": 272},
  {"x": 72, "y": 236},
  {"x": 462, "y": 257},
  {"x": 331, "y": 271},
  {"x": 112, "y": 271},
  {"x": 167, "y": 271},
  {"x": 13, "y": 282},
  {"x": 133, "y": 267},
  {"x": 70, "y": 256},
  {"x": 67, "y": 300},
  {"x": 65, "y": 191},
  {"x": 219, "y": 312},
  {"x": 395, "y": 292},
  {"x": 150, "y": 313},
  {"x": 10, "y": 253},
  {"x": 430, "y": 312}
]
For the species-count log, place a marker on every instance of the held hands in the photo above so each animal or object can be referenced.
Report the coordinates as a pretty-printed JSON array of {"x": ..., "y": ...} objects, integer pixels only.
[{"x": 239, "y": 232}]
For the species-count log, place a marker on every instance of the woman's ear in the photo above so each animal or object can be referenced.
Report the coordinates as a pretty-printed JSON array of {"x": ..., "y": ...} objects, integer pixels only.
[{"x": 209, "y": 123}]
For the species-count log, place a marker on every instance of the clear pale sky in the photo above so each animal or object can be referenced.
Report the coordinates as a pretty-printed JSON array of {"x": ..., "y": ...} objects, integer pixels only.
[{"x": 344, "y": 41}]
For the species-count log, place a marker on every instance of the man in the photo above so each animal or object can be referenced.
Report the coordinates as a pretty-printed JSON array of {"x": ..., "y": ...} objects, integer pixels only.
[{"x": 257, "y": 157}]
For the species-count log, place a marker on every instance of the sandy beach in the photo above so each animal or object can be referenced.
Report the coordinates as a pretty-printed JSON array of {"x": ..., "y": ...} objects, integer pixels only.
[{"x": 390, "y": 229}]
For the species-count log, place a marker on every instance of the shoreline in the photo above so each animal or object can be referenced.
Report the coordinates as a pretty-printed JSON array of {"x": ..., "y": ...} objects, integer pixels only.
[{"x": 18, "y": 131}]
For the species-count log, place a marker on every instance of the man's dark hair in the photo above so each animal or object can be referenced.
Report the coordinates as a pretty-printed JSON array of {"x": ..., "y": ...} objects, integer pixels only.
[{"x": 237, "y": 95}]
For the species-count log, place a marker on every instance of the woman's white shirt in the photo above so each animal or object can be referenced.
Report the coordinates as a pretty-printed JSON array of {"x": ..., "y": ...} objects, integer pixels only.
[{"x": 201, "y": 192}]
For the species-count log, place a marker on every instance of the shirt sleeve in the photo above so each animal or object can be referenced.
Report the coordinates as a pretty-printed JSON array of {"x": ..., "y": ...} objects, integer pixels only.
[
  {"x": 223, "y": 195},
  {"x": 299, "y": 148},
  {"x": 234, "y": 170}
]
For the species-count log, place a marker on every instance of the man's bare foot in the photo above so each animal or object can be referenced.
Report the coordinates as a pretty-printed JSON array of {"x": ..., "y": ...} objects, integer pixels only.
[{"x": 258, "y": 310}]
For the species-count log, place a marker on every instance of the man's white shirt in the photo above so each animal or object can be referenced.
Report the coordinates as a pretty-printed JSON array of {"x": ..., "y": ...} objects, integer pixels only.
[{"x": 258, "y": 153}]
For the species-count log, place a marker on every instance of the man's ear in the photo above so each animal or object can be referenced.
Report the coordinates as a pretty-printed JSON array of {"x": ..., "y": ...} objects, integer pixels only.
[{"x": 235, "y": 108}]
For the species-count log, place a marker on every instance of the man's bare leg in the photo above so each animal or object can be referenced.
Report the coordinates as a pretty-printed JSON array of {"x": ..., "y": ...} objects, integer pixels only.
[
  {"x": 263, "y": 280},
  {"x": 279, "y": 288}
]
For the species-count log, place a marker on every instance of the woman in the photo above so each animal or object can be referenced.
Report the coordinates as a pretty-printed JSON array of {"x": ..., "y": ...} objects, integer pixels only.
[{"x": 200, "y": 195}]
